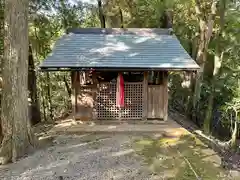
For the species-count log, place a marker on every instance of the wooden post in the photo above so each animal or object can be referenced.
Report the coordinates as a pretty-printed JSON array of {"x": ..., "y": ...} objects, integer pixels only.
[
  {"x": 165, "y": 96},
  {"x": 95, "y": 91},
  {"x": 145, "y": 95}
]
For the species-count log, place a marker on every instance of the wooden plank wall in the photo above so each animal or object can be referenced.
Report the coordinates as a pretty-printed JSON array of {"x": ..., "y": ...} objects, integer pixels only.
[
  {"x": 83, "y": 98},
  {"x": 157, "y": 100}
]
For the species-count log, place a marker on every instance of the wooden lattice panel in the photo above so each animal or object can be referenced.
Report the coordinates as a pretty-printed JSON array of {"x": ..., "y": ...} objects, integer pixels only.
[
  {"x": 106, "y": 101},
  {"x": 133, "y": 101}
]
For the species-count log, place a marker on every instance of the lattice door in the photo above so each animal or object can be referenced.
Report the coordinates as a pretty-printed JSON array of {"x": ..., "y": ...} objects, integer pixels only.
[
  {"x": 106, "y": 102},
  {"x": 133, "y": 101}
]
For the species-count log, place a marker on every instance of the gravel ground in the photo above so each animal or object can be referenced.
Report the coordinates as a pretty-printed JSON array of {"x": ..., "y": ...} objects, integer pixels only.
[
  {"x": 105, "y": 156},
  {"x": 81, "y": 157}
]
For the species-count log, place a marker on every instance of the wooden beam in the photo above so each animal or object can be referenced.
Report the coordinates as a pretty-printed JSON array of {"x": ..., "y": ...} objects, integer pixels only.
[{"x": 145, "y": 95}]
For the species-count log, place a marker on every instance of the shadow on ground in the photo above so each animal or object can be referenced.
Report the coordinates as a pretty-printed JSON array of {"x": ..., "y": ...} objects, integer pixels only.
[{"x": 183, "y": 158}]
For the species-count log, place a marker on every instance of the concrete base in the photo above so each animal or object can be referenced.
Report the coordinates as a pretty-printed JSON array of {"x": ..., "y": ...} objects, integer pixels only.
[{"x": 168, "y": 128}]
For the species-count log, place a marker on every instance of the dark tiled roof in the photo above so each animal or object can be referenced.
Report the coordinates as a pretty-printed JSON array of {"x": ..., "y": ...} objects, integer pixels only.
[{"x": 119, "y": 48}]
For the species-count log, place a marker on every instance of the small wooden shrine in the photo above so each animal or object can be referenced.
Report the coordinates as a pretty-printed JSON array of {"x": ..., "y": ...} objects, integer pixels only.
[{"x": 119, "y": 73}]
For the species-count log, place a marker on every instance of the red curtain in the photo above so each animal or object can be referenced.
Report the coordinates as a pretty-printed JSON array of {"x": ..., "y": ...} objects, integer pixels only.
[{"x": 120, "y": 91}]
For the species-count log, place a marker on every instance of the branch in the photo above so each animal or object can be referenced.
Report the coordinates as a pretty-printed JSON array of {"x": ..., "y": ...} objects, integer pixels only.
[
  {"x": 222, "y": 13},
  {"x": 198, "y": 8},
  {"x": 211, "y": 19},
  {"x": 233, "y": 70},
  {"x": 214, "y": 7}
]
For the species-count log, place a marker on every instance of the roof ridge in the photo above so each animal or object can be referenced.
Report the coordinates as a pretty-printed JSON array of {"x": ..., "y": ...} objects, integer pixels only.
[
  {"x": 147, "y": 51},
  {"x": 136, "y": 31}
]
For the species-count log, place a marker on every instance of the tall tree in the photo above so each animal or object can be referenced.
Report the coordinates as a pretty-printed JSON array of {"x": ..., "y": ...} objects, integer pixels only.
[
  {"x": 17, "y": 136},
  {"x": 49, "y": 97},
  {"x": 218, "y": 58},
  {"x": 206, "y": 25},
  {"x": 206, "y": 13},
  {"x": 121, "y": 17},
  {"x": 1, "y": 52},
  {"x": 101, "y": 15},
  {"x": 35, "y": 115}
]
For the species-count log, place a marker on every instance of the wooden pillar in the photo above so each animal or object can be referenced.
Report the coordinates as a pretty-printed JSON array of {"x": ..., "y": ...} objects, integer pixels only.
[
  {"x": 165, "y": 96},
  {"x": 95, "y": 91},
  {"x": 145, "y": 95}
]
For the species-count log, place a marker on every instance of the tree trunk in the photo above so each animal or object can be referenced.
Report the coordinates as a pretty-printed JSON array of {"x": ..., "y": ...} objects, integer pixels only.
[
  {"x": 64, "y": 14},
  {"x": 49, "y": 99},
  {"x": 206, "y": 24},
  {"x": 189, "y": 109},
  {"x": 121, "y": 17},
  {"x": 235, "y": 132},
  {"x": 1, "y": 32},
  {"x": 216, "y": 67},
  {"x": 43, "y": 99},
  {"x": 1, "y": 136},
  {"x": 35, "y": 115},
  {"x": 101, "y": 15},
  {"x": 17, "y": 136},
  {"x": 67, "y": 86},
  {"x": 208, "y": 116},
  {"x": 167, "y": 19},
  {"x": 1, "y": 53},
  {"x": 65, "y": 26}
]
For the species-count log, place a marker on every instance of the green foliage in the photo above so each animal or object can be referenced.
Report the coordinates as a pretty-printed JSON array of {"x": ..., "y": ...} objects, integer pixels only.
[{"x": 48, "y": 21}]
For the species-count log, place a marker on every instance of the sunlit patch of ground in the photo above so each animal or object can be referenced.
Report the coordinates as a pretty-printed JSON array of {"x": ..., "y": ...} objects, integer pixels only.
[{"x": 181, "y": 158}]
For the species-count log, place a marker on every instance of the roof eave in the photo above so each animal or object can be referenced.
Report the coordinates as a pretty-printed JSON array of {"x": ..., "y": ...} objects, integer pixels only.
[
  {"x": 159, "y": 31},
  {"x": 116, "y": 69}
]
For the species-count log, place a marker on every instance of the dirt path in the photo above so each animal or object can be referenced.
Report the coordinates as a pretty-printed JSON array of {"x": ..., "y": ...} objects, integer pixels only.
[{"x": 118, "y": 155}]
